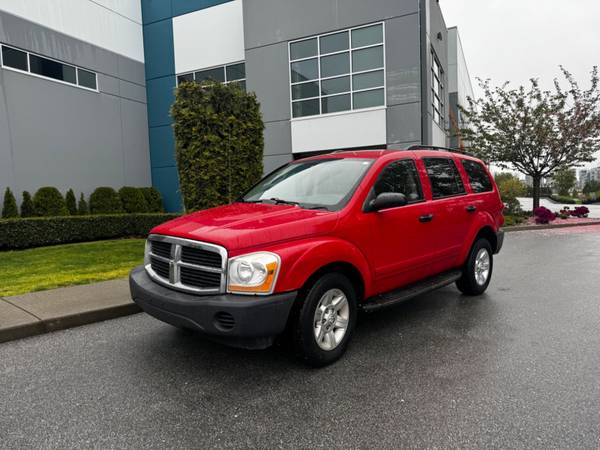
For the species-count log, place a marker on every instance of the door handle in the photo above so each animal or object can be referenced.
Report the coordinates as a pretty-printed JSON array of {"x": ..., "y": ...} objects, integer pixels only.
[
  {"x": 426, "y": 218},
  {"x": 471, "y": 208}
]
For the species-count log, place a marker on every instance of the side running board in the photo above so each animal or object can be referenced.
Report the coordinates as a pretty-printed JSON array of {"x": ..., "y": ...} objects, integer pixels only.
[{"x": 406, "y": 293}]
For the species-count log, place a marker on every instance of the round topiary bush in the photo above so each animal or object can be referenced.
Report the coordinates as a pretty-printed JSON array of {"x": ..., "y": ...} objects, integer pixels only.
[
  {"x": 153, "y": 199},
  {"x": 48, "y": 202},
  {"x": 133, "y": 200},
  {"x": 105, "y": 200}
]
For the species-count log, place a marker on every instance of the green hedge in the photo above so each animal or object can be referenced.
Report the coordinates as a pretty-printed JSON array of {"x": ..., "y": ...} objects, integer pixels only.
[
  {"x": 563, "y": 199},
  {"x": 105, "y": 200},
  {"x": 133, "y": 200},
  {"x": 42, "y": 231}
]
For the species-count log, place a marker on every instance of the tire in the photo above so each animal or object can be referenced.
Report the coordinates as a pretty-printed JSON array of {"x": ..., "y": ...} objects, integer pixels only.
[
  {"x": 319, "y": 338},
  {"x": 475, "y": 277}
]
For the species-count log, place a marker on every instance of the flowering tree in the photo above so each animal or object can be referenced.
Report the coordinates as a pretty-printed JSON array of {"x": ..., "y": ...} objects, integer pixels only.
[{"x": 535, "y": 131}]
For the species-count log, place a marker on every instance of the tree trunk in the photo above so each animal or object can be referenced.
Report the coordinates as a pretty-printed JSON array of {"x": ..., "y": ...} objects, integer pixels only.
[{"x": 537, "y": 181}]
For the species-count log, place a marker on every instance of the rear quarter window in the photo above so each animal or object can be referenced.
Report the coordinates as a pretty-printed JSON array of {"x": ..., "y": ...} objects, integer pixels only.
[
  {"x": 478, "y": 177},
  {"x": 444, "y": 177}
]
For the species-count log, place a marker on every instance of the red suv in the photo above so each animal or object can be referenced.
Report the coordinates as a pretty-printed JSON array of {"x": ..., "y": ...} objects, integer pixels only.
[{"x": 320, "y": 239}]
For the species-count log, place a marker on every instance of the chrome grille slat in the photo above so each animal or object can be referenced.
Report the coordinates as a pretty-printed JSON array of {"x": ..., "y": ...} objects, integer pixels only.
[{"x": 186, "y": 265}]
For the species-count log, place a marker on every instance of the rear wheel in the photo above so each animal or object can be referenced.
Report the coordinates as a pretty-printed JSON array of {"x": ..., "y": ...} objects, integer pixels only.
[
  {"x": 325, "y": 322},
  {"x": 477, "y": 271}
]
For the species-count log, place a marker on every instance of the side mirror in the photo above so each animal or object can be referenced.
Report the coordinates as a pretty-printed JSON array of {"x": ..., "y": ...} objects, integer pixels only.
[{"x": 387, "y": 200}]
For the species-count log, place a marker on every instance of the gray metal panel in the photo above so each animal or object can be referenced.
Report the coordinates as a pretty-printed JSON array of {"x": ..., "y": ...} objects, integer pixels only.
[
  {"x": 404, "y": 123},
  {"x": 136, "y": 157},
  {"x": 403, "y": 60},
  {"x": 132, "y": 91},
  {"x": 278, "y": 138},
  {"x": 269, "y": 21},
  {"x": 273, "y": 162},
  {"x": 267, "y": 75},
  {"x": 131, "y": 70},
  {"x": 6, "y": 160}
]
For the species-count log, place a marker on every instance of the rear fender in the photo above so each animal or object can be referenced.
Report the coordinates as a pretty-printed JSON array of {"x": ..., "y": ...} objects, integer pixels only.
[{"x": 482, "y": 221}]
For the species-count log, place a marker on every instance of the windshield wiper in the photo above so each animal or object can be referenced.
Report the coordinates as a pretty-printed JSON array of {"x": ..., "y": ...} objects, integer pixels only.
[{"x": 279, "y": 201}]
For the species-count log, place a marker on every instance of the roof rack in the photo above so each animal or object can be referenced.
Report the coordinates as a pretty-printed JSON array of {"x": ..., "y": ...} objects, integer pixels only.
[{"x": 437, "y": 148}]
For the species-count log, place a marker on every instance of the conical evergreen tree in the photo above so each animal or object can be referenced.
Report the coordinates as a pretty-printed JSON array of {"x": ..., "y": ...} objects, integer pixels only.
[{"x": 9, "y": 208}]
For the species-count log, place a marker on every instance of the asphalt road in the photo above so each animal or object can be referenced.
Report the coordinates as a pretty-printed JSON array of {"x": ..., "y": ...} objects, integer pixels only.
[{"x": 516, "y": 368}]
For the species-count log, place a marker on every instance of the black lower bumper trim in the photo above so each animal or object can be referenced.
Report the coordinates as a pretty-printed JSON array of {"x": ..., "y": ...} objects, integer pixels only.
[
  {"x": 236, "y": 320},
  {"x": 499, "y": 241}
]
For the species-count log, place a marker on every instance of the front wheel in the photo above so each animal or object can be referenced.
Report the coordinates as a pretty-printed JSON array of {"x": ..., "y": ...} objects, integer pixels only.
[
  {"x": 326, "y": 320},
  {"x": 477, "y": 271}
]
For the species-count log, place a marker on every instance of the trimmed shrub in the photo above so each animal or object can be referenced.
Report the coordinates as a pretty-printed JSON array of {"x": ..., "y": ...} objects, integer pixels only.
[
  {"x": 153, "y": 199},
  {"x": 563, "y": 199},
  {"x": 82, "y": 206},
  {"x": 218, "y": 143},
  {"x": 27, "y": 209},
  {"x": 71, "y": 202},
  {"x": 49, "y": 202},
  {"x": 543, "y": 215},
  {"x": 9, "y": 207},
  {"x": 580, "y": 211},
  {"x": 133, "y": 200},
  {"x": 42, "y": 231},
  {"x": 105, "y": 200}
]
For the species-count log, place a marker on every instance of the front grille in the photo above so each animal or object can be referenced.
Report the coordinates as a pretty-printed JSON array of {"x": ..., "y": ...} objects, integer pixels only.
[
  {"x": 200, "y": 257},
  {"x": 160, "y": 267},
  {"x": 186, "y": 265},
  {"x": 161, "y": 249},
  {"x": 199, "y": 278}
]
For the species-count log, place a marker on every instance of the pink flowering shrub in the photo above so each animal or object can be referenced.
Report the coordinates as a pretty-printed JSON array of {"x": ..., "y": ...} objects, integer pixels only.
[
  {"x": 543, "y": 215},
  {"x": 580, "y": 211}
]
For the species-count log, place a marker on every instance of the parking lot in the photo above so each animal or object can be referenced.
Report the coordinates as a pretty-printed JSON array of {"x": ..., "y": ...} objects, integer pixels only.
[{"x": 516, "y": 368}]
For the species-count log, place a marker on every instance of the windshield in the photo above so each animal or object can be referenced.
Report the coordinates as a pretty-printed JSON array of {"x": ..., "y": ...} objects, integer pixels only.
[{"x": 320, "y": 183}]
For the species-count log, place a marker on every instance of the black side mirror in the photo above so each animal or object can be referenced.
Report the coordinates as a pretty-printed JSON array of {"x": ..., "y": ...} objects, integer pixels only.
[{"x": 387, "y": 200}]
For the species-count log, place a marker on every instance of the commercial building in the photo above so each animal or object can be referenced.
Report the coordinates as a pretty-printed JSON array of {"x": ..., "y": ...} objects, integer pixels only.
[{"x": 329, "y": 74}]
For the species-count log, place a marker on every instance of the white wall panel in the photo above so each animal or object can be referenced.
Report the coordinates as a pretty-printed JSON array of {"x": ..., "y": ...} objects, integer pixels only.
[
  {"x": 209, "y": 37},
  {"x": 356, "y": 129},
  {"x": 111, "y": 24}
]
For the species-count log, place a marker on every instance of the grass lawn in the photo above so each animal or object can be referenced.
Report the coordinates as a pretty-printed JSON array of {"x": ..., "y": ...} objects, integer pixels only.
[{"x": 44, "y": 268}]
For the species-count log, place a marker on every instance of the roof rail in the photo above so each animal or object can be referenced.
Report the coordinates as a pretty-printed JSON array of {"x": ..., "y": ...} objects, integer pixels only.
[{"x": 437, "y": 148}]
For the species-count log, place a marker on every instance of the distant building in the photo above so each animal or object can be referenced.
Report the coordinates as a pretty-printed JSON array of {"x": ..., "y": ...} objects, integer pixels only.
[{"x": 586, "y": 175}]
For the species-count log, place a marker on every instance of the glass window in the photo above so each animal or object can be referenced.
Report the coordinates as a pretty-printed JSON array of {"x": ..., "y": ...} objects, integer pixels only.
[
  {"x": 334, "y": 43},
  {"x": 327, "y": 183},
  {"x": 478, "y": 177},
  {"x": 305, "y": 90},
  {"x": 216, "y": 74},
  {"x": 367, "y": 80},
  {"x": 369, "y": 99},
  {"x": 236, "y": 72},
  {"x": 86, "y": 78},
  {"x": 444, "y": 177},
  {"x": 306, "y": 108},
  {"x": 14, "y": 58},
  {"x": 305, "y": 70},
  {"x": 335, "y": 85},
  {"x": 186, "y": 77},
  {"x": 51, "y": 69},
  {"x": 338, "y": 64},
  {"x": 437, "y": 90},
  {"x": 362, "y": 37},
  {"x": 367, "y": 59},
  {"x": 335, "y": 103},
  {"x": 400, "y": 177},
  {"x": 327, "y": 59},
  {"x": 303, "y": 49}
]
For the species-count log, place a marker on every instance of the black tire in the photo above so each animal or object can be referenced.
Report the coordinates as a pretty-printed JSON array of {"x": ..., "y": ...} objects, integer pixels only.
[
  {"x": 468, "y": 283},
  {"x": 303, "y": 328}
]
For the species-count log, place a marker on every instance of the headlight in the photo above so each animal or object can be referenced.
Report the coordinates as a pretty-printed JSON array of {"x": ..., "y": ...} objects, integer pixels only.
[{"x": 254, "y": 273}]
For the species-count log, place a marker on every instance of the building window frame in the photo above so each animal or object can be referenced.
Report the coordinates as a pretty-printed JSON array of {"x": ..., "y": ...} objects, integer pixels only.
[
  {"x": 351, "y": 74},
  {"x": 43, "y": 77},
  {"x": 438, "y": 105},
  {"x": 220, "y": 66}
]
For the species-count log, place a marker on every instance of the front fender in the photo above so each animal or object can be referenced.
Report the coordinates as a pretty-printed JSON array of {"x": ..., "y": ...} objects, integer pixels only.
[{"x": 301, "y": 259}]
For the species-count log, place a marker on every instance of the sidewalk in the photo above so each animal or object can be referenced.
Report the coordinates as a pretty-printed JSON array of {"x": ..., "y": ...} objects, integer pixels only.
[{"x": 57, "y": 309}]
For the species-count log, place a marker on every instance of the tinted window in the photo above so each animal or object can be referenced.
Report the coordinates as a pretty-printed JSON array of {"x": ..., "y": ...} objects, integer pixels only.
[
  {"x": 400, "y": 177},
  {"x": 14, "y": 58},
  {"x": 444, "y": 177},
  {"x": 51, "y": 69},
  {"x": 478, "y": 177},
  {"x": 86, "y": 78},
  {"x": 216, "y": 74}
]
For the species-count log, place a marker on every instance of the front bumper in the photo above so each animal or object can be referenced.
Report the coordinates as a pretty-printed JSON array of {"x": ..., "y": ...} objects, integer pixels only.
[
  {"x": 499, "y": 241},
  {"x": 236, "y": 320}
]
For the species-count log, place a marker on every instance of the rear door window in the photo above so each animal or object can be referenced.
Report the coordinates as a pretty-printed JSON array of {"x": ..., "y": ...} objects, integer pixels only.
[
  {"x": 444, "y": 177},
  {"x": 400, "y": 177},
  {"x": 478, "y": 177}
]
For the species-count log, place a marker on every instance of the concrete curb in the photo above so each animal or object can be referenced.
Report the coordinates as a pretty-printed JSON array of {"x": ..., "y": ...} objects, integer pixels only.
[
  {"x": 58, "y": 309},
  {"x": 548, "y": 227}
]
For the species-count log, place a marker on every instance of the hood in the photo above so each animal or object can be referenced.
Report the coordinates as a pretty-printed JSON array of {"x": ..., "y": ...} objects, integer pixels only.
[{"x": 244, "y": 225}]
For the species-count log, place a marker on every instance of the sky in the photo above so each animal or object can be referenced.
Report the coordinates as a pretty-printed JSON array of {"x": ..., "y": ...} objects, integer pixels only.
[{"x": 515, "y": 40}]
